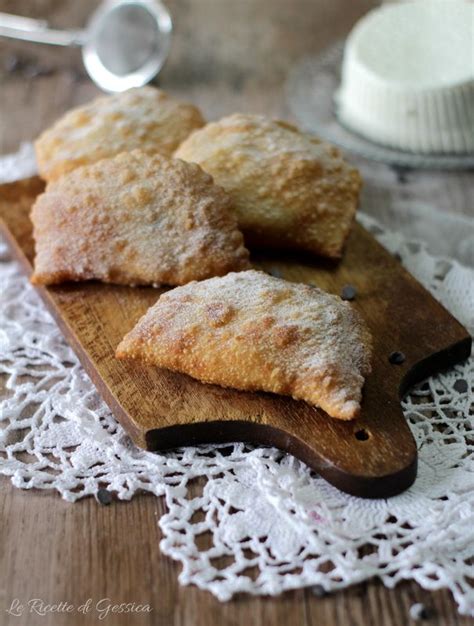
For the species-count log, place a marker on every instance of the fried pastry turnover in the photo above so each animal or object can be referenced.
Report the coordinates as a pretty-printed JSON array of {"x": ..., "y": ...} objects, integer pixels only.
[
  {"x": 144, "y": 118},
  {"x": 251, "y": 331},
  {"x": 289, "y": 189},
  {"x": 135, "y": 219}
]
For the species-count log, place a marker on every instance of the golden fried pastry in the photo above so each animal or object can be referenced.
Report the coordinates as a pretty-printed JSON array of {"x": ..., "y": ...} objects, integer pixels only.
[
  {"x": 135, "y": 219},
  {"x": 290, "y": 190},
  {"x": 251, "y": 331},
  {"x": 144, "y": 118}
]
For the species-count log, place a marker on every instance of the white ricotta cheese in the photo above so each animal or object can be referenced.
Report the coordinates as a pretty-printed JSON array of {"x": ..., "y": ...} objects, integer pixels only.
[{"x": 408, "y": 76}]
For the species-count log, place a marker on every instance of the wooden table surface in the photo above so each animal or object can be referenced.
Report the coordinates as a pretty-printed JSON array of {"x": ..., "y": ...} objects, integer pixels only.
[{"x": 227, "y": 55}]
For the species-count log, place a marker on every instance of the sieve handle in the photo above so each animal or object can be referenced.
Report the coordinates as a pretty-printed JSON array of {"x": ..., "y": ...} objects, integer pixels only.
[{"x": 27, "y": 29}]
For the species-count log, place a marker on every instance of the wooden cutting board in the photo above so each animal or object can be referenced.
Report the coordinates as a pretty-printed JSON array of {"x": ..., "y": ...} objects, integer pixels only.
[{"x": 373, "y": 456}]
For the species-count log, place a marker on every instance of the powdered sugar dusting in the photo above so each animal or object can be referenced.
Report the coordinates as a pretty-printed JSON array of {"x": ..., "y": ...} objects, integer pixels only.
[
  {"x": 250, "y": 331},
  {"x": 289, "y": 189},
  {"x": 144, "y": 118},
  {"x": 135, "y": 220}
]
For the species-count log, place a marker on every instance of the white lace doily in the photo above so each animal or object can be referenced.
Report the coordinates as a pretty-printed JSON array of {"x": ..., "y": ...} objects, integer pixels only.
[{"x": 271, "y": 523}]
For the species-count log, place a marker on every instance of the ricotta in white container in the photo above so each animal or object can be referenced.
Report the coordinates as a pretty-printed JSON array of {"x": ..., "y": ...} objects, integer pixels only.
[{"x": 408, "y": 77}]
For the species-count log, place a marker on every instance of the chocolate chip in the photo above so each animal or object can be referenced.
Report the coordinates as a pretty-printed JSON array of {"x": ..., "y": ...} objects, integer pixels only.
[
  {"x": 274, "y": 271},
  {"x": 104, "y": 496},
  {"x": 30, "y": 71},
  {"x": 33, "y": 70},
  {"x": 461, "y": 385},
  {"x": 348, "y": 292},
  {"x": 76, "y": 75},
  {"x": 12, "y": 63},
  {"x": 414, "y": 247},
  {"x": 396, "y": 358},
  {"x": 318, "y": 591},
  {"x": 36, "y": 71},
  {"x": 401, "y": 172},
  {"x": 361, "y": 435},
  {"x": 419, "y": 611}
]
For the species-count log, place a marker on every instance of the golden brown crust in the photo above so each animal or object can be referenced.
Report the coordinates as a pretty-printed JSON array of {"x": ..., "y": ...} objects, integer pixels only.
[
  {"x": 289, "y": 189},
  {"x": 144, "y": 118},
  {"x": 251, "y": 331},
  {"x": 136, "y": 220}
]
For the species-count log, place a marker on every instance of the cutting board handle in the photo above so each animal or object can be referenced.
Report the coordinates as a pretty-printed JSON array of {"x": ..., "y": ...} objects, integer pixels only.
[{"x": 374, "y": 456}]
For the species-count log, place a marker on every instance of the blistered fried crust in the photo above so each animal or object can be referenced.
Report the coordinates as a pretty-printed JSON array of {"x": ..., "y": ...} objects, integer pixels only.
[
  {"x": 251, "y": 331},
  {"x": 290, "y": 190},
  {"x": 135, "y": 220},
  {"x": 144, "y": 118}
]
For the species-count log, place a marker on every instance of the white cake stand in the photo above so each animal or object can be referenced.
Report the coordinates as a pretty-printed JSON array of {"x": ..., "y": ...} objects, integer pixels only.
[{"x": 310, "y": 90}]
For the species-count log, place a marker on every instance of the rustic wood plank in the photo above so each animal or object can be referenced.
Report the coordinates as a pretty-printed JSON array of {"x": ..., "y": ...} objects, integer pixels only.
[{"x": 87, "y": 550}]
